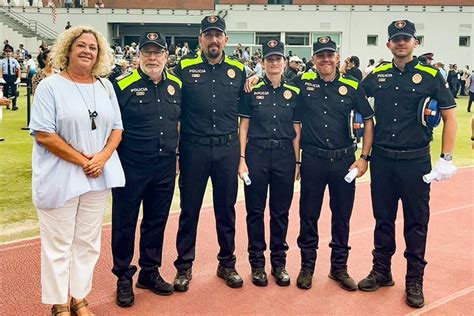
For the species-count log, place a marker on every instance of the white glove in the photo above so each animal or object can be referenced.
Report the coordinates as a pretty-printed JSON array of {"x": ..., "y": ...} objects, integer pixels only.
[
  {"x": 444, "y": 169},
  {"x": 2, "y": 80},
  {"x": 17, "y": 81}
]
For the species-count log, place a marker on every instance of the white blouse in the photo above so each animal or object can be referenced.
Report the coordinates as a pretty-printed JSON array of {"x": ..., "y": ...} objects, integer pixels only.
[{"x": 58, "y": 107}]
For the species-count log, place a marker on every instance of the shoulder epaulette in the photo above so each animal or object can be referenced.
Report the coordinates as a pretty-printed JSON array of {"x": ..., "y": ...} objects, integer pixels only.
[
  {"x": 309, "y": 76},
  {"x": 191, "y": 60},
  {"x": 172, "y": 77},
  {"x": 234, "y": 62},
  {"x": 129, "y": 79},
  {"x": 354, "y": 84},
  {"x": 289, "y": 86},
  {"x": 259, "y": 84},
  {"x": 125, "y": 74},
  {"x": 428, "y": 69},
  {"x": 382, "y": 68}
]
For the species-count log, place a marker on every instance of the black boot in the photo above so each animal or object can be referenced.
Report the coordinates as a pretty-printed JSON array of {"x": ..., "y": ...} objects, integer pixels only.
[
  {"x": 305, "y": 279},
  {"x": 182, "y": 279},
  {"x": 344, "y": 280},
  {"x": 155, "y": 283},
  {"x": 124, "y": 297},
  {"x": 230, "y": 275},
  {"x": 374, "y": 281},
  {"x": 259, "y": 277},
  {"x": 415, "y": 296},
  {"x": 281, "y": 276}
]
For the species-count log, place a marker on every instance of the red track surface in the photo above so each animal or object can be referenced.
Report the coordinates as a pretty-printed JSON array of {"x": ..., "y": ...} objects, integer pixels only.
[{"x": 449, "y": 276}]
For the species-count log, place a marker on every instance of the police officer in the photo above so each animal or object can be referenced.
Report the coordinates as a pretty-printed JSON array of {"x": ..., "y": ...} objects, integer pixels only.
[
  {"x": 328, "y": 154},
  {"x": 149, "y": 99},
  {"x": 269, "y": 151},
  {"x": 401, "y": 156},
  {"x": 10, "y": 75},
  {"x": 209, "y": 147}
]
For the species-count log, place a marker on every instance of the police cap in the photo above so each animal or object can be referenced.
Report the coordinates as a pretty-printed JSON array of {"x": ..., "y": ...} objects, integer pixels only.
[
  {"x": 212, "y": 22},
  {"x": 273, "y": 47},
  {"x": 324, "y": 43},
  {"x": 401, "y": 27},
  {"x": 152, "y": 38}
]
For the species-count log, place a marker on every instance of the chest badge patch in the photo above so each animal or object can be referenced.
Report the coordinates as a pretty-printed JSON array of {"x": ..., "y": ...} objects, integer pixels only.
[
  {"x": 140, "y": 93},
  {"x": 310, "y": 88},
  {"x": 260, "y": 97},
  {"x": 416, "y": 78},
  {"x": 342, "y": 90},
  {"x": 171, "y": 90},
  {"x": 231, "y": 73},
  {"x": 287, "y": 94}
]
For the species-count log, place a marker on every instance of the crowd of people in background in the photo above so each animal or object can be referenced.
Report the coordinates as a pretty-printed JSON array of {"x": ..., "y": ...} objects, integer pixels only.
[{"x": 126, "y": 59}]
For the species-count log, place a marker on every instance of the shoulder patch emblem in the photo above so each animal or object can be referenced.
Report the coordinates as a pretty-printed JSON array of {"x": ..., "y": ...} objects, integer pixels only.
[
  {"x": 287, "y": 94},
  {"x": 342, "y": 90},
  {"x": 416, "y": 78},
  {"x": 171, "y": 90},
  {"x": 231, "y": 73}
]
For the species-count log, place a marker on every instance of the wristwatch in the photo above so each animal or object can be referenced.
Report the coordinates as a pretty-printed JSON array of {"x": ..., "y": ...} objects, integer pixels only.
[
  {"x": 365, "y": 157},
  {"x": 447, "y": 156}
]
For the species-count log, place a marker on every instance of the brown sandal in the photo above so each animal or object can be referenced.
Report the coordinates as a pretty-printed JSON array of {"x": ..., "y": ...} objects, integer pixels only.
[
  {"x": 58, "y": 309},
  {"x": 77, "y": 306}
]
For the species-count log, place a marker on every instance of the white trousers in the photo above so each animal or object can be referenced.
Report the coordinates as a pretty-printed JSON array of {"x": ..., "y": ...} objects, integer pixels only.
[{"x": 70, "y": 246}]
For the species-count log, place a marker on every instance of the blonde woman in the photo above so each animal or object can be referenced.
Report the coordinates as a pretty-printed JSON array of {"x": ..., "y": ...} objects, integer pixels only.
[{"x": 77, "y": 126}]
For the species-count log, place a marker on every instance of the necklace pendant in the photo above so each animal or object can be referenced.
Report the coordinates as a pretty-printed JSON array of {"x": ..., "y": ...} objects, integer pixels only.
[{"x": 93, "y": 126}]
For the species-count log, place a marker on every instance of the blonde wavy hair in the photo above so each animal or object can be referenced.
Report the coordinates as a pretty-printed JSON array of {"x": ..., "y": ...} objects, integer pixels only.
[{"x": 62, "y": 48}]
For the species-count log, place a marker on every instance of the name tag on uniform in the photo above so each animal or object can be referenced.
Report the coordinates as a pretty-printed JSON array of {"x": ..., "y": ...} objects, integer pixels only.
[
  {"x": 140, "y": 93},
  {"x": 260, "y": 97},
  {"x": 195, "y": 75},
  {"x": 310, "y": 88}
]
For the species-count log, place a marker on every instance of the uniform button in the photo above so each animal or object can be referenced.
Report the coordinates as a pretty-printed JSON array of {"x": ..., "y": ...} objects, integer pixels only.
[
  {"x": 393, "y": 135},
  {"x": 273, "y": 92},
  {"x": 161, "y": 117},
  {"x": 400, "y": 73},
  {"x": 161, "y": 133},
  {"x": 274, "y": 116},
  {"x": 158, "y": 100},
  {"x": 274, "y": 104},
  {"x": 325, "y": 97},
  {"x": 259, "y": 103},
  {"x": 327, "y": 139},
  {"x": 231, "y": 82},
  {"x": 396, "y": 103},
  {"x": 325, "y": 125},
  {"x": 309, "y": 95},
  {"x": 214, "y": 110},
  {"x": 325, "y": 84},
  {"x": 380, "y": 86},
  {"x": 161, "y": 149},
  {"x": 413, "y": 90},
  {"x": 140, "y": 101},
  {"x": 214, "y": 125},
  {"x": 394, "y": 120},
  {"x": 213, "y": 80},
  {"x": 396, "y": 88},
  {"x": 213, "y": 67},
  {"x": 213, "y": 95},
  {"x": 195, "y": 81},
  {"x": 324, "y": 112},
  {"x": 342, "y": 101},
  {"x": 274, "y": 129}
]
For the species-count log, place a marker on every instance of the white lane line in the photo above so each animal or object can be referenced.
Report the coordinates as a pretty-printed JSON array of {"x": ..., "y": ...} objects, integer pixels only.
[{"x": 443, "y": 301}]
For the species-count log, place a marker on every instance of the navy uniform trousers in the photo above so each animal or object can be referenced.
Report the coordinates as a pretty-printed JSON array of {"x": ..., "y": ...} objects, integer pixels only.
[
  {"x": 316, "y": 174},
  {"x": 197, "y": 163},
  {"x": 154, "y": 185},
  {"x": 391, "y": 180},
  {"x": 274, "y": 167}
]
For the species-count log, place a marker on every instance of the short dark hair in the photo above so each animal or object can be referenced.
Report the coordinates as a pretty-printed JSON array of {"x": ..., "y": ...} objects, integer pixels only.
[
  {"x": 355, "y": 60},
  {"x": 371, "y": 61}
]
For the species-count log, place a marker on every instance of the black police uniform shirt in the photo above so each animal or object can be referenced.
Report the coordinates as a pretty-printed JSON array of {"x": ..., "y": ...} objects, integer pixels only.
[
  {"x": 397, "y": 95},
  {"x": 211, "y": 95},
  {"x": 326, "y": 108},
  {"x": 150, "y": 114},
  {"x": 272, "y": 111}
]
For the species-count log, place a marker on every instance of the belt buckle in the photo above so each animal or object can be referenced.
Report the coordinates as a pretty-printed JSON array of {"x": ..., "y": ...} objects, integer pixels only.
[{"x": 274, "y": 143}]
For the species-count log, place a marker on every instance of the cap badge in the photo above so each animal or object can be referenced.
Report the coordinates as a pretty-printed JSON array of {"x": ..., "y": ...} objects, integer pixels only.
[
  {"x": 400, "y": 24},
  {"x": 323, "y": 40},
  {"x": 287, "y": 94},
  {"x": 231, "y": 73},
  {"x": 152, "y": 36},
  {"x": 416, "y": 78},
  {"x": 342, "y": 90},
  {"x": 272, "y": 43},
  {"x": 171, "y": 90},
  {"x": 212, "y": 19}
]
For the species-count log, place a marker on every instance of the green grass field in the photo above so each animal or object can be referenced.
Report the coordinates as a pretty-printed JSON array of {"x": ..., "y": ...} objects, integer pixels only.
[{"x": 18, "y": 216}]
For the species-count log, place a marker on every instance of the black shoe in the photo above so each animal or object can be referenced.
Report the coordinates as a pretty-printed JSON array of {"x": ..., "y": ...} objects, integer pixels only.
[
  {"x": 344, "y": 280},
  {"x": 14, "y": 109},
  {"x": 155, "y": 283},
  {"x": 259, "y": 277},
  {"x": 282, "y": 277},
  {"x": 305, "y": 279},
  {"x": 182, "y": 279},
  {"x": 374, "y": 281},
  {"x": 415, "y": 296},
  {"x": 230, "y": 275},
  {"x": 124, "y": 297}
]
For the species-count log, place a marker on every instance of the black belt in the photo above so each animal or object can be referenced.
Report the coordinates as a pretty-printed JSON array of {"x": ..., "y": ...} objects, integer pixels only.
[
  {"x": 271, "y": 143},
  {"x": 330, "y": 154},
  {"x": 210, "y": 140},
  {"x": 401, "y": 154}
]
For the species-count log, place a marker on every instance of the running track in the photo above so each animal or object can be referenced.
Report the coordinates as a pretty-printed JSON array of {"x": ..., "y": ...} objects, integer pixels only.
[{"x": 449, "y": 276}]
